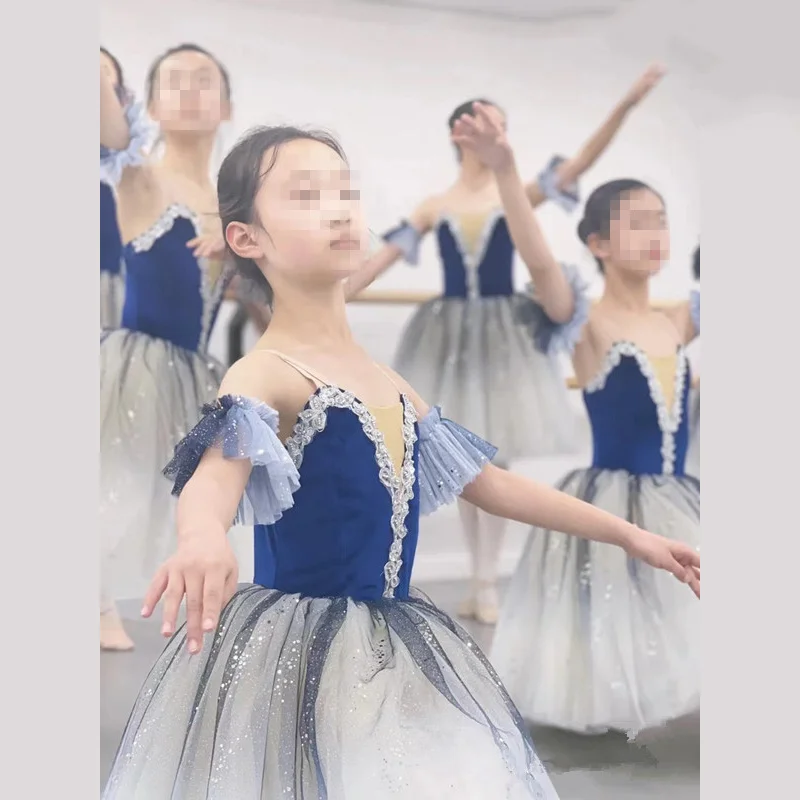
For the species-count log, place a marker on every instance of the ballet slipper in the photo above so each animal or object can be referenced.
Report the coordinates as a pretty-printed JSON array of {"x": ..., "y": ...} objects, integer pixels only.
[
  {"x": 487, "y": 605},
  {"x": 113, "y": 635}
]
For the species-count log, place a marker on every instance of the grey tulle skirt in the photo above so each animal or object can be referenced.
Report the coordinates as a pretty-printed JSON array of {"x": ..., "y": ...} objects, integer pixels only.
[
  {"x": 112, "y": 289},
  {"x": 473, "y": 358},
  {"x": 151, "y": 395},
  {"x": 306, "y": 699},
  {"x": 589, "y": 639}
]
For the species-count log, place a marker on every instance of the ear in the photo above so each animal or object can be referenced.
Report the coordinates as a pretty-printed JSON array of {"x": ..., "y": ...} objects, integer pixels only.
[
  {"x": 598, "y": 246},
  {"x": 227, "y": 111},
  {"x": 241, "y": 240}
]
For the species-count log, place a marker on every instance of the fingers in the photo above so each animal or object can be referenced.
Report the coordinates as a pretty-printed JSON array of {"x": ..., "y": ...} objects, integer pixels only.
[
  {"x": 172, "y": 602},
  {"x": 194, "y": 242},
  {"x": 194, "y": 610},
  {"x": 213, "y": 595},
  {"x": 154, "y": 591}
]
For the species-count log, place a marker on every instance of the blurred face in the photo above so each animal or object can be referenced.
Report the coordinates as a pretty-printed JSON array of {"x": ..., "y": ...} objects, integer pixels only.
[
  {"x": 107, "y": 66},
  {"x": 310, "y": 227},
  {"x": 639, "y": 235},
  {"x": 189, "y": 94}
]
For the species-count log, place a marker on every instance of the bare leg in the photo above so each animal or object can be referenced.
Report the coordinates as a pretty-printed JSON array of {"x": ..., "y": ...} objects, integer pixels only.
[
  {"x": 490, "y": 543},
  {"x": 469, "y": 524}
]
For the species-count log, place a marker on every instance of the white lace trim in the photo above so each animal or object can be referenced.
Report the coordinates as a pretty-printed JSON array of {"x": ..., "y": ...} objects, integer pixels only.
[
  {"x": 210, "y": 291},
  {"x": 313, "y": 419},
  {"x": 669, "y": 420}
]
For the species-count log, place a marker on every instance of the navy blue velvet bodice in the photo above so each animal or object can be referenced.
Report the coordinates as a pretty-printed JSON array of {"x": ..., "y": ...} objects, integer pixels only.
[
  {"x": 489, "y": 271},
  {"x": 110, "y": 241},
  {"x": 335, "y": 540},
  {"x": 168, "y": 292},
  {"x": 632, "y": 428}
]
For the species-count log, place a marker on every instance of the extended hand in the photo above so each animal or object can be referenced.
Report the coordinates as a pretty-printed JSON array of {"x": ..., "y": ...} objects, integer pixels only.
[
  {"x": 484, "y": 134},
  {"x": 645, "y": 84},
  {"x": 678, "y": 558},
  {"x": 206, "y": 246},
  {"x": 204, "y": 569}
]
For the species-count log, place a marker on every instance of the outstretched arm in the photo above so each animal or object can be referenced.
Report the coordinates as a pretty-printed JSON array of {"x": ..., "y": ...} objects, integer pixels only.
[
  {"x": 570, "y": 169},
  {"x": 505, "y": 494}
]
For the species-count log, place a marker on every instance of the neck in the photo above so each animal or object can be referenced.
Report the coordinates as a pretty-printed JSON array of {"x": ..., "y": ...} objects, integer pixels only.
[
  {"x": 473, "y": 173},
  {"x": 188, "y": 155},
  {"x": 626, "y": 291},
  {"x": 310, "y": 317}
]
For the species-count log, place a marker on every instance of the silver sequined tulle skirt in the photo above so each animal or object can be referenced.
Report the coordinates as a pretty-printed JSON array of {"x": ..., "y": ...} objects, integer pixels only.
[
  {"x": 151, "y": 395},
  {"x": 590, "y": 640},
  {"x": 473, "y": 358},
  {"x": 304, "y": 699}
]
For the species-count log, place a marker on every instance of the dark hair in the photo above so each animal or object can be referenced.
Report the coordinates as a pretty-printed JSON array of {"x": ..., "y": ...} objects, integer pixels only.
[
  {"x": 603, "y": 205},
  {"x": 241, "y": 176},
  {"x": 466, "y": 108},
  {"x": 185, "y": 48},
  {"x": 696, "y": 263},
  {"x": 117, "y": 67}
]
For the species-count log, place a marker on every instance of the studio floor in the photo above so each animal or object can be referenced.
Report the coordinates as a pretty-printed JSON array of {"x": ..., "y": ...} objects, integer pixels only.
[{"x": 662, "y": 765}]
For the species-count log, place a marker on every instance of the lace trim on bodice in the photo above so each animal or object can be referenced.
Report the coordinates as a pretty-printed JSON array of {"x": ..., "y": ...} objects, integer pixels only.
[
  {"x": 312, "y": 421},
  {"x": 211, "y": 290},
  {"x": 472, "y": 257},
  {"x": 669, "y": 419}
]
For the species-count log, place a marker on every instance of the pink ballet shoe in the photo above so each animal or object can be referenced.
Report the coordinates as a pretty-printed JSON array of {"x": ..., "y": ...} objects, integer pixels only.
[
  {"x": 112, "y": 632},
  {"x": 487, "y": 604}
]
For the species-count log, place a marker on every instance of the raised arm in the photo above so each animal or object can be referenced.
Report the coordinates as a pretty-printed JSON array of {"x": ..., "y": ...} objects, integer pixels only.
[
  {"x": 563, "y": 174},
  {"x": 400, "y": 242},
  {"x": 114, "y": 130}
]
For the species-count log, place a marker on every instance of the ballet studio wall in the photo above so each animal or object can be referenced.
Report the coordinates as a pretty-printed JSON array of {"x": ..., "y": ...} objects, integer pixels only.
[{"x": 385, "y": 79}]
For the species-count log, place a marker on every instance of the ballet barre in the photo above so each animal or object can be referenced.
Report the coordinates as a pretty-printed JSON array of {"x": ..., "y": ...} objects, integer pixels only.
[{"x": 403, "y": 298}]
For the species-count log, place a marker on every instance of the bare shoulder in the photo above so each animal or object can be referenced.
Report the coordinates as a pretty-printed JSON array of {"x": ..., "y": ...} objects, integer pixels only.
[
  {"x": 424, "y": 216},
  {"x": 261, "y": 375},
  {"x": 408, "y": 390},
  {"x": 679, "y": 317}
]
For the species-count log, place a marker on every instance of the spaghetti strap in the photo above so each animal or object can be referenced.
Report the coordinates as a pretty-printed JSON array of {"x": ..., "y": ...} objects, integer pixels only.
[
  {"x": 389, "y": 377},
  {"x": 304, "y": 370}
]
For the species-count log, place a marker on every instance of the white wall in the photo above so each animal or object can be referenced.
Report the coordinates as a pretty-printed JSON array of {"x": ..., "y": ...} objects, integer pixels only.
[{"x": 385, "y": 80}]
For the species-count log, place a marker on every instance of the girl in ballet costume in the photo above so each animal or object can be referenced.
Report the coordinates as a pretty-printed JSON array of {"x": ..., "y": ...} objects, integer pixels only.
[
  {"x": 465, "y": 351},
  {"x": 329, "y": 677},
  {"x": 693, "y": 454},
  {"x": 588, "y": 638},
  {"x": 118, "y": 125},
  {"x": 155, "y": 372}
]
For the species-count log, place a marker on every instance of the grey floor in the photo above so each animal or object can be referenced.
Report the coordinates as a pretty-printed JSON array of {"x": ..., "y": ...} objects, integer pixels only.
[{"x": 659, "y": 765}]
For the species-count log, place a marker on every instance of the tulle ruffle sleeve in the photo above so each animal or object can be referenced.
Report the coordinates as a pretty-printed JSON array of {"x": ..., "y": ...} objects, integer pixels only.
[
  {"x": 566, "y": 197},
  {"x": 557, "y": 337},
  {"x": 114, "y": 162},
  {"x": 694, "y": 309},
  {"x": 407, "y": 238},
  {"x": 242, "y": 428},
  {"x": 450, "y": 458}
]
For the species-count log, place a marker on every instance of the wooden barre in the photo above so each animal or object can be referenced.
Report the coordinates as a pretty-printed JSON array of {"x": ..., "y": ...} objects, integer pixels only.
[
  {"x": 572, "y": 382},
  {"x": 402, "y": 298}
]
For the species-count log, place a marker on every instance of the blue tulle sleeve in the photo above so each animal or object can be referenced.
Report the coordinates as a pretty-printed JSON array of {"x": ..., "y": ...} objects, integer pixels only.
[
  {"x": 114, "y": 162},
  {"x": 554, "y": 337},
  {"x": 567, "y": 197},
  {"x": 407, "y": 238},
  {"x": 242, "y": 428},
  {"x": 450, "y": 458},
  {"x": 694, "y": 309}
]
